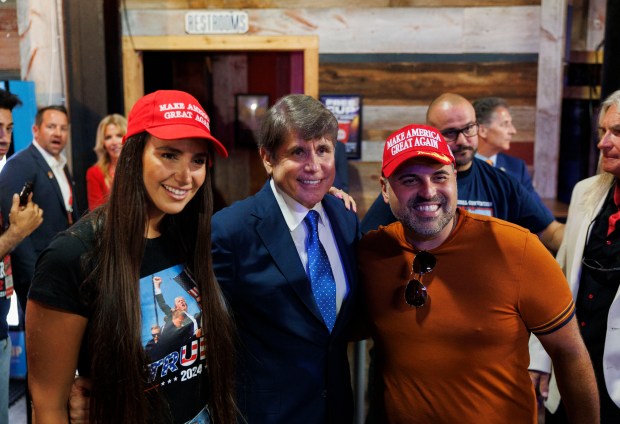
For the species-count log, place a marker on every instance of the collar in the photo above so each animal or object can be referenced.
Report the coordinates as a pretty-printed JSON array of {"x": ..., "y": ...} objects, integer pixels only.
[
  {"x": 293, "y": 211},
  {"x": 492, "y": 158},
  {"x": 49, "y": 159}
]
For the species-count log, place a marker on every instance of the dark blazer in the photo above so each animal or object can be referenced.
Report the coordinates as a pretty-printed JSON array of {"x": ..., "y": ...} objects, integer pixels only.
[
  {"x": 291, "y": 369},
  {"x": 29, "y": 165},
  {"x": 517, "y": 168}
]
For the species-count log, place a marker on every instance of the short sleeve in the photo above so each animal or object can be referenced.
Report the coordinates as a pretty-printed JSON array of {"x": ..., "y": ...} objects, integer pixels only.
[
  {"x": 545, "y": 299},
  {"x": 59, "y": 275},
  {"x": 531, "y": 213}
]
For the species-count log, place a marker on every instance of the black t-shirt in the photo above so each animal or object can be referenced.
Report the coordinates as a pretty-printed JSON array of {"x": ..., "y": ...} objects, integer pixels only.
[
  {"x": 178, "y": 355},
  {"x": 598, "y": 285}
]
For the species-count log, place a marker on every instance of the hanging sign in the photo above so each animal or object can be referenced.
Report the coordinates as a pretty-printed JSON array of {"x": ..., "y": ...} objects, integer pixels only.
[{"x": 217, "y": 22}]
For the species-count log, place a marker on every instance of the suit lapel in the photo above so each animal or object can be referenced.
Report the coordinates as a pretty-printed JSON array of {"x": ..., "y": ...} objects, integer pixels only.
[
  {"x": 275, "y": 235},
  {"x": 48, "y": 174},
  {"x": 500, "y": 163}
]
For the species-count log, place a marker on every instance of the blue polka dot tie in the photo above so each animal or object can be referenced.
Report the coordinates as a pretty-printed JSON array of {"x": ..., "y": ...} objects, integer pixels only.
[{"x": 320, "y": 272}]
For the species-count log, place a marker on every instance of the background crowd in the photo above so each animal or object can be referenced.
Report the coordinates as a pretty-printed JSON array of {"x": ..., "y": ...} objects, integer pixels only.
[{"x": 246, "y": 314}]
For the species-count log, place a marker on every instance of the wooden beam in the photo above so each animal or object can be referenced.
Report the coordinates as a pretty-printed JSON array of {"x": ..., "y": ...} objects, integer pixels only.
[
  {"x": 596, "y": 24},
  {"x": 549, "y": 99},
  {"x": 287, "y": 4},
  {"x": 165, "y": 42},
  {"x": 133, "y": 72},
  {"x": 311, "y": 71},
  {"x": 9, "y": 40},
  {"x": 377, "y": 118},
  {"x": 414, "y": 82},
  {"x": 378, "y": 30},
  {"x": 258, "y": 4}
]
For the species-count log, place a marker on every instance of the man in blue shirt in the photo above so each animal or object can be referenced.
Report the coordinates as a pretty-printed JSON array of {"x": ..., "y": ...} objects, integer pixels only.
[{"x": 481, "y": 188}]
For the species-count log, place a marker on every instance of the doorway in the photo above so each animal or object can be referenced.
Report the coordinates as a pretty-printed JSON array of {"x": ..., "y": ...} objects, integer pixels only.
[{"x": 216, "y": 69}]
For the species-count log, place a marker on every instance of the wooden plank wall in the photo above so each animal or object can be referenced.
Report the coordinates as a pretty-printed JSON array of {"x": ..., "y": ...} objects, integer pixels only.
[
  {"x": 397, "y": 54},
  {"x": 9, "y": 41}
]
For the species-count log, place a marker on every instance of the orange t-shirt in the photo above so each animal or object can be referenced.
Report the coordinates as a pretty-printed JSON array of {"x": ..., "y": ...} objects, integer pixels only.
[{"x": 463, "y": 357}]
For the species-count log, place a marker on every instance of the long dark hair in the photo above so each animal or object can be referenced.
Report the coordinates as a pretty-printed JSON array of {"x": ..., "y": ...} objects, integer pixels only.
[{"x": 118, "y": 364}]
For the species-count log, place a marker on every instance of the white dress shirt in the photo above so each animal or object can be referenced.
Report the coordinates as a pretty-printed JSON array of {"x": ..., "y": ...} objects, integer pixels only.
[
  {"x": 294, "y": 214},
  {"x": 58, "y": 169}
]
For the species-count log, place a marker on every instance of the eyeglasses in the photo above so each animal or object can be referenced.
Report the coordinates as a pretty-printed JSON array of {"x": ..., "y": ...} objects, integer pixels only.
[
  {"x": 415, "y": 292},
  {"x": 593, "y": 264},
  {"x": 597, "y": 266},
  {"x": 451, "y": 134},
  {"x": 155, "y": 335}
]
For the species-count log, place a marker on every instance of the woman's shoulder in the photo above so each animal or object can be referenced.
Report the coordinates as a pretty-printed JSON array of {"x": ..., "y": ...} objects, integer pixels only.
[
  {"x": 94, "y": 171},
  {"x": 63, "y": 268},
  {"x": 80, "y": 236}
]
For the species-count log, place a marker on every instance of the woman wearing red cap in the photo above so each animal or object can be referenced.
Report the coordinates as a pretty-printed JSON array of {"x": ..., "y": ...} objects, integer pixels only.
[{"x": 94, "y": 286}]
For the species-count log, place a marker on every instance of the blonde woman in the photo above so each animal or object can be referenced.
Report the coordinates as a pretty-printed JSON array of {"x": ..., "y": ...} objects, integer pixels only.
[{"x": 108, "y": 146}]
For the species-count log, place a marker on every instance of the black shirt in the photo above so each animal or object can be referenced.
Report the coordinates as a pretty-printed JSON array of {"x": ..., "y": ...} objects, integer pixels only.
[{"x": 600, "y": 279}]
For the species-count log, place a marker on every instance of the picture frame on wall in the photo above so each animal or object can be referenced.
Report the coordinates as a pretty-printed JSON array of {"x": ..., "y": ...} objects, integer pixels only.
[
  {"x": 348, "y": 111},
  {"x": 250, "y": 109}
]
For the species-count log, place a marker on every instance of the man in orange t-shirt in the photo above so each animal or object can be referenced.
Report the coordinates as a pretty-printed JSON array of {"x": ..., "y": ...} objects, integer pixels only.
[{"x": 452, "y": 298}]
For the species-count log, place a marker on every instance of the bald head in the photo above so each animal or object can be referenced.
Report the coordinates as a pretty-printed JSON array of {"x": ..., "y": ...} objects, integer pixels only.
[
  {"x": 454, "y": 112},
  {"x": 444, "y": 107}
]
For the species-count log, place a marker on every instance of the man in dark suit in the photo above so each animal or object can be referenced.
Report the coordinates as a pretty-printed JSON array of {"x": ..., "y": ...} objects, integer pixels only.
[
  {"x": 293, "y": 365},
  {"x": 43, "y": 165},
  {"x": 495, "y": 133}
]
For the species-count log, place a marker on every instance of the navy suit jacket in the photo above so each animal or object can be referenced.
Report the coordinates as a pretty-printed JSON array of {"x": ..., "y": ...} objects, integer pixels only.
[
  {"x": 29, "y": 165},
  {"x": 291, "y": 369},
  {"x": 517, "y": 168}
]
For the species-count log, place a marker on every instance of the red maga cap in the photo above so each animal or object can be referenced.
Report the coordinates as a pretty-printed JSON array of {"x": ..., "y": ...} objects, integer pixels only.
[
  {"x": 413, "y": 141},
  {"x": 169, "y": 115}
]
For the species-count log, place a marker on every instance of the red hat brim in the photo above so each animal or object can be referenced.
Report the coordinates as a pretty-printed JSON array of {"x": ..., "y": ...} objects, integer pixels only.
[{"x": 178, "y": 131}]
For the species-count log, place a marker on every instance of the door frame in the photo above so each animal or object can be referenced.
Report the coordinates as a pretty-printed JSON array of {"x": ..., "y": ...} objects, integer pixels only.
[{"x": 133, "y": 46}]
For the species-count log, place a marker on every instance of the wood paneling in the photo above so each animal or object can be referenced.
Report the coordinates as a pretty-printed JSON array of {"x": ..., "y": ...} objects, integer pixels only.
[
  {"x": 364, "y": 184},
  {"x": 468, "y": 3},
  {"x": 587, "y": 26},
  {"x": 549, "y": 99},
  {"x": 286, "y": 4},
  {"x": 132, "y": 46},
  {"x": 252, "y": 4},
  {"x": 379, "y": 30},
  {"x": 9, "y": 40},
  {"x": 396, "y": 92},
  {"x": 380, "y": 121},
  {"x": 419, "y": 83}
]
